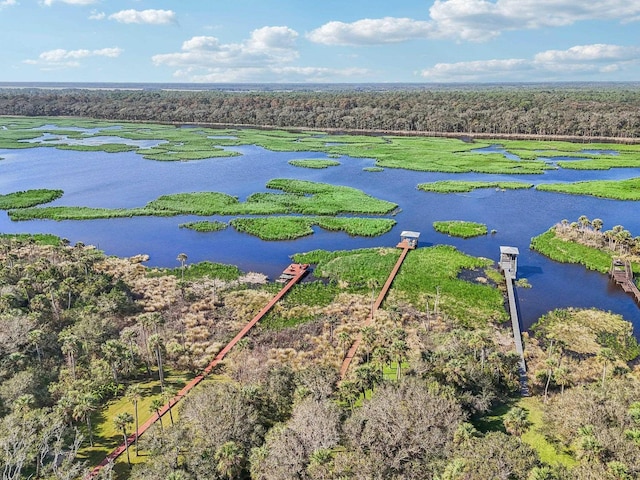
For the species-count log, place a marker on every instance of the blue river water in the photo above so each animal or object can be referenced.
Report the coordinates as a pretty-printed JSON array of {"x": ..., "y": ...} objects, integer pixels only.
[{"x": 112, "y": 180}]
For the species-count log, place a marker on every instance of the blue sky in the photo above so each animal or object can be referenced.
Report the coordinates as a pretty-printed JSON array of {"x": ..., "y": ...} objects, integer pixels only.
[{"x": 319, "y": 41}]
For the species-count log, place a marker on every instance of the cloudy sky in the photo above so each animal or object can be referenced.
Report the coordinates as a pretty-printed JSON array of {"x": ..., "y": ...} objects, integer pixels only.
[{"x": 319, "y": 41}]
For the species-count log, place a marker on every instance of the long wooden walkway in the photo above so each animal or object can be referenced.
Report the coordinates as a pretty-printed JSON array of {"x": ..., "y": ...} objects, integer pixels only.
[
  {"x": 406, "y": 246},
  {"x": 294, "y": 274},
  {"x": 622, "y": 274},
  {"x": 509, "y": 266}
]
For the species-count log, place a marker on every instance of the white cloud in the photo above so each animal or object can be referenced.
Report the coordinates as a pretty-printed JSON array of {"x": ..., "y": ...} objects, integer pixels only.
[
  {"x": 547, "y": 65},
  {"x": 266, "y": 56},
  {"x": 61, "y": 58},
  {"x": 475, "y": 70},
  {"x": 48, "y": 3},
  {"x": 266, "y": 46},
  {"x": 591, "y": 53},
  {"x": 96, "y": 15},
  {"x": 475, "y": 20},
  {"x": 371, "y": 31},
  {"x": 479, "y": 20},
  {"x": 7, "y": 3},
  {"x": 153, "y": 17}
]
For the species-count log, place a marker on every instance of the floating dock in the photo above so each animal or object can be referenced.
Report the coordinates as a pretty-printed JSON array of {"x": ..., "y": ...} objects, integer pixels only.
[
  {"x": 622, "y": 274},
  {"x": 292, "y": 275}
]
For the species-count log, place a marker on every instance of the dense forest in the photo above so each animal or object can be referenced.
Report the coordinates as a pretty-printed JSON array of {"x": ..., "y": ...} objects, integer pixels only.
[
  {"x": 612, "y": 112},
  {"x": 89, "y": 343}
]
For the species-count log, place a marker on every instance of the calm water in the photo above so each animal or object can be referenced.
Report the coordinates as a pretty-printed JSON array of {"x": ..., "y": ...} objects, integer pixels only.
[{"x": 127, "y": 180}]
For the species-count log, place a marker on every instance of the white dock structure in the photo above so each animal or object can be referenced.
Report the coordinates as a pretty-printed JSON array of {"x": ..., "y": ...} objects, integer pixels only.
[{"x": 509, "y": 266}]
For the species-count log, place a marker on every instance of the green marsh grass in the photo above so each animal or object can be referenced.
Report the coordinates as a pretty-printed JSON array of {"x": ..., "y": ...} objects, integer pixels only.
[
  {"x": 424, "y": 272},
  {"x": 206, "y": 269},
  {"x": 460, "y": 228},
  {"x": 313, "y": 163},
  {"x": 38, "y": 238},
  {"x": 564, "y": 251},
  {"x": 461, "y": 186},
  {"x": 204, "y": 226},
  {"x": 28, "y": 198},
  {"x": 289, "y": 228},
  {"x": 614, "y": 189}
]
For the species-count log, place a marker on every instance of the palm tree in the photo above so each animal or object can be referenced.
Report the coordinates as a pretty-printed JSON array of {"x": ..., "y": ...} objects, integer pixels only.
[
  {"x": 589, "y": 447},
  {"x": 398, "y": 351},
  {"x": 381, "y": 358},
  {"x": 348, "y": 392},
  {"x": 168, "y": 394},
  {"x": 129, "y": 336},
  {"x": 182, "y": 258},
  {"x": 597, "y": 224},
  {"x": 562, "y": 377},
  {"x": 70, "y": 347},
  {"x": 230, "y": 459},
  {"x": 366, "y": 377},
  {"x": 550, "y": 363},
  {"x": 156, "y": 345},
  {"x": 156, "y": 405},
  {"x": 35, "y": 337},
  {"x": 516, "y": 421},
  {"x": 134, "y": 394},
  {"x": 344, "y": 340},
  {"x": 114, "y": 352},
  {"x": 606, "y": 356},
  {"x": 85, "y": 405},
  {"x": 368, "y": 339},
  {"x": 121, "y": 421}
]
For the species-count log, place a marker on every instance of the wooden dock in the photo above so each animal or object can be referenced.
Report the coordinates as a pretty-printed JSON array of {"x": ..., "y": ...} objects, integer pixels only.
[
  {"x": 292, "y": 274},
  {"x": 622, "y": 274},
  {"x": 509, "y": 266},
  {"x": 405, "y": 245}
]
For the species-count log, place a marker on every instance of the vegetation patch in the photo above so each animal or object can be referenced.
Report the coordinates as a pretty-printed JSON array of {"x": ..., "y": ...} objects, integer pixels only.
[
  {"x": 560, "y": 250},
  {"x": 214, "y": 226},
  {"x": 584, "y": 242},
  {"x": 38, "y": 238},
  {"x": 426, "y": 274},
  {"x": 587, "y": 331},
  {"x": 615, "y": 189},
  {"x": 28, "y": 198},
  {"x": 300, "y": 196},
  {"x": 459, "y": 228},
  {"x": 461, "y": 186},
  {"x": 289, "y": 228},
  {"x": 312, "y": 163},
  {"x": 373, "y": 169},
  {"x": 205, "y": 269}
]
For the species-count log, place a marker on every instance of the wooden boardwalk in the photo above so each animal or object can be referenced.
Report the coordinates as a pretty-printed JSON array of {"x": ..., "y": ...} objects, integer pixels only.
[
  {"x": 294, "y": 274},
  {"x": 622, "y": 274},
  {"x": 405, "y": 246},
  {"x": 509, "y": 267}
]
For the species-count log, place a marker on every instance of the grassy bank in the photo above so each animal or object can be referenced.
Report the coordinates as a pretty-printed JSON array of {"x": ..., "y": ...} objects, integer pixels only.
[
  {"x": 28, "y": 198},
  {"x": 461, "y": 186},
  {"x": 289, "y": 228},
  {"x": 316, "y": 164},
  {"x": 204, "y": 227},
  {"x": 614, "y": 189},
  {"x": 303, "y": 197},
  {"x": 459, "y": 228},
  {"x": 564, "y": 251}
]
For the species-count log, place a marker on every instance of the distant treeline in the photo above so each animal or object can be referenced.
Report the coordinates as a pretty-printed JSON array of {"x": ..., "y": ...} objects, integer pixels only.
[{"x": 612, "y": 112}]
